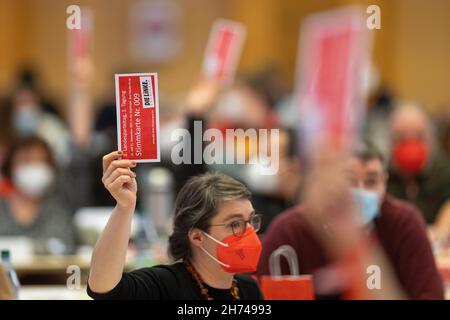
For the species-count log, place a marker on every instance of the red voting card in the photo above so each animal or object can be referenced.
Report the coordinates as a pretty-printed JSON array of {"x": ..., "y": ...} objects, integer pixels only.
[
  {"x": 138, "y": 116},
  {"x": 333, "y": 52},
  {"x": 80, "y": 44},
  {"x": 224, "y": 49}
]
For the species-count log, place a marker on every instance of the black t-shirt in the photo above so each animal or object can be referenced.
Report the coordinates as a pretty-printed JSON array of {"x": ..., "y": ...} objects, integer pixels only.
[{"x": 172, "y": 282}]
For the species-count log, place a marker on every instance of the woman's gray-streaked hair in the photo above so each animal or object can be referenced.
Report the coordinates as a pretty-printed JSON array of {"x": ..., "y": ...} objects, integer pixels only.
[{"x": 197, "y": 203}]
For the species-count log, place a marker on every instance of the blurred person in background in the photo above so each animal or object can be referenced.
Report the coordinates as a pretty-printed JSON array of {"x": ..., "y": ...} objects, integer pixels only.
[
  {"x": 278, "y": 192},
  {"x": 26, "y": 113},
  {"x": 329, "y": 235},
  {"x": 419, "y": 171},
  {"x": 29, "y": 77},
  {"x": 242, "y": 106},
  {"x": 28, "y": 118},
  {"x": 32, "y": 208}
]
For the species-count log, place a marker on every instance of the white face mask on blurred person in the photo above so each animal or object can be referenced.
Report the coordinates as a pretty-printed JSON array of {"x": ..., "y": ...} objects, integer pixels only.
[
  {"x": 25, "y": 119},
  {"x": 33, "y": 179},
  {"x": 266, "y": 184},
  {"x": 231, "y": 106}
]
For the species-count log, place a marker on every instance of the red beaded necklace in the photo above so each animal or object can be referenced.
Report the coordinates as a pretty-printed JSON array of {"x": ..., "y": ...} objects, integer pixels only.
[{"x": 234, "y": 290}]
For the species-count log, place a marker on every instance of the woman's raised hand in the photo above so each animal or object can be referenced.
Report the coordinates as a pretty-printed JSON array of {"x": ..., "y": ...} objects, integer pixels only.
[{"x": 119, "y": 180}]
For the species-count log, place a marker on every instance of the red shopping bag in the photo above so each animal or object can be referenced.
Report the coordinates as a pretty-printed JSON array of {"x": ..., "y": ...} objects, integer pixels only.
[{"x": 289, "y": 287}]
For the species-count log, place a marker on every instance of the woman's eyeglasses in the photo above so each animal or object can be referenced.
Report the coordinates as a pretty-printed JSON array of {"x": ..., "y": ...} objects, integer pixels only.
[{"x": 239, "y": 226}]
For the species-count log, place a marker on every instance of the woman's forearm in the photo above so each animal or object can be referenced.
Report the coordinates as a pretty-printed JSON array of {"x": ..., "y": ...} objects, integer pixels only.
[{"x": 108, "y": 257}]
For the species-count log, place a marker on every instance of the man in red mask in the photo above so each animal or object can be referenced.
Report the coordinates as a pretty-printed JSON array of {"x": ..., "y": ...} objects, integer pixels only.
[{"x": 418, "y": 173}]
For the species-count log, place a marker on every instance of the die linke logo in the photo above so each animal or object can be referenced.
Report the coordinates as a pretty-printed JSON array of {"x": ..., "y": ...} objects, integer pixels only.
[
  {"x": 240, "y": 253},
  {"x": 147, "y": 93}
]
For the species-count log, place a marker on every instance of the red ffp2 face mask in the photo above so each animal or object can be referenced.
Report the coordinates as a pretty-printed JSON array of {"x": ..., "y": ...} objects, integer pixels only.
[
  {"x": 410, "y": 156},
  {"x": 237, "y": 254}
]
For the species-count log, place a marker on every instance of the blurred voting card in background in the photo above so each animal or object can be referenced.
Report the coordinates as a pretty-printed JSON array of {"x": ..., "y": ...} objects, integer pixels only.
[
  {"x": 80, "y": 66},
  {"x": 155, "y": 31},
  {"x": 223, "y": 51},
  {"x": 334, "y": 51},
  {"x": 80, "y": 45}
]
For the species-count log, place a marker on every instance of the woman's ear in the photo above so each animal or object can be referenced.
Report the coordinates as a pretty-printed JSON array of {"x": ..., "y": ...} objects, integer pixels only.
[{"x": 196, "y": 237}]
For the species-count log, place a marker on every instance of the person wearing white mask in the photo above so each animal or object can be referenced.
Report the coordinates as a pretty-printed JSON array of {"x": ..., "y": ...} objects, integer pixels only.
[
  {"x": 29, "y": 118},
  {"x": 32, "y": 209}
]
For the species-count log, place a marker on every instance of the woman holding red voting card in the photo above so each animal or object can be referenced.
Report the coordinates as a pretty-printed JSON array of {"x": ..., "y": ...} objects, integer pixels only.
[{"x": 213, "y": 242}]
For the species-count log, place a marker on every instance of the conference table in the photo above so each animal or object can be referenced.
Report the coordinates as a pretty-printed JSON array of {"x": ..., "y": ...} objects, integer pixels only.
[{"x": 52, "y": 292}]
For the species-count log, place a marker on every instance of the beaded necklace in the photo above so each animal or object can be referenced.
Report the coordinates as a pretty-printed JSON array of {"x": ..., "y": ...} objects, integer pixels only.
[{"x": 234, "y": 290}]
